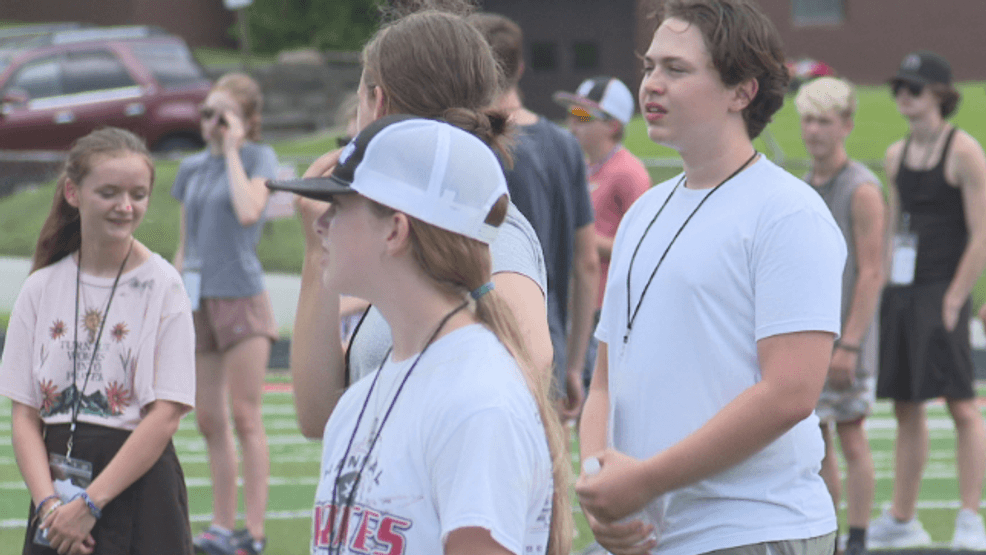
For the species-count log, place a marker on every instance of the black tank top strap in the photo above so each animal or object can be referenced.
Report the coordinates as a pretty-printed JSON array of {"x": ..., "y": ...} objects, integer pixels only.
[
  {"x": 903, "y": 154},
  {"x": 944, "y": 152}
]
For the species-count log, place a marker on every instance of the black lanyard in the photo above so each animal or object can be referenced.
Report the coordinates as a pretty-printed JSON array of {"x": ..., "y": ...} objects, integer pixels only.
[
  {"x": 333, "y": 511},
  {"x": 633, "y": 316},
  {"x": 95, "y": 348}
]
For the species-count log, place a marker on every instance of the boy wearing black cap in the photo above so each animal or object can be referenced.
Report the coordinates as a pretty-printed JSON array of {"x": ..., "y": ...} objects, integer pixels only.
[
  {"x": 938, "y": 210},
  {"x": 599, "y": 110}
]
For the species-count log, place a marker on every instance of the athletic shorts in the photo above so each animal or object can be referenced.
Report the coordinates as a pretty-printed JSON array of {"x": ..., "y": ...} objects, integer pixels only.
[
  {"x": 919, "y": 358},
  {"x": 150, "y": 516},
  {"x": 821, "y": 545},
  {"x": 221, "y": 323},
  {"x": 848, "y": 405}
]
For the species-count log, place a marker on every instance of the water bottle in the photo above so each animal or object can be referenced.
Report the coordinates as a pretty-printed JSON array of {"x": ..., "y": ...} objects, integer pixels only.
[{"x": 591, "y": 467}]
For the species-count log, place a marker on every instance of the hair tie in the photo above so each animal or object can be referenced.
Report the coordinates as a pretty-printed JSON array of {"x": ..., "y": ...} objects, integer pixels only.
[{"x": 481, "y": 290}]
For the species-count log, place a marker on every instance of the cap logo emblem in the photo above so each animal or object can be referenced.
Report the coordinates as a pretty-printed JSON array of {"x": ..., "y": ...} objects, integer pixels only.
[
  {"x": 912, "y": 62},
  {"x": 347, "y": 152}
]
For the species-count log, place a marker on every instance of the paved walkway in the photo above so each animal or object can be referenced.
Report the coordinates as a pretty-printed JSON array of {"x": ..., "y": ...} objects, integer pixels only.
[{"x": 283, "y": 290}]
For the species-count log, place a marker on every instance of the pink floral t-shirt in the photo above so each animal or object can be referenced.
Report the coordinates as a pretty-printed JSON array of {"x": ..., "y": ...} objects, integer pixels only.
[{"x": 146, "y": 351}]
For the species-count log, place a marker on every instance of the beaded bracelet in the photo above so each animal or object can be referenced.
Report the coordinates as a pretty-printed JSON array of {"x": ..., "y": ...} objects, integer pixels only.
[{"x": 93, "y": 509}]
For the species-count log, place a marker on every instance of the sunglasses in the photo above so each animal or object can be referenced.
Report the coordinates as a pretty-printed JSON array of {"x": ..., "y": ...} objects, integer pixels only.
[
  {"x": 914, "y": 89},
  {"x": 581, "y": 114},
  {"x": 207, "y": 114}
]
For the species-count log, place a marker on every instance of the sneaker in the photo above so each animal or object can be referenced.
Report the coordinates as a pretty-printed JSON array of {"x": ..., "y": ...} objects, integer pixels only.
[
  {"x": 886, "y": 532},
  {"x": 969, "y": 531},
  {"x": 215, "y": 541},
  {"x": 246, "y": 545}
]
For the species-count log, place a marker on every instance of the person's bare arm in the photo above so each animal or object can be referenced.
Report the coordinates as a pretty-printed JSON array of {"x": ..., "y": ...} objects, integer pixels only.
[
  {"x": 179, "y": 261},
  {"x": 868, "y": 229},
  {"x": 526, "y": 300},
  {"x": 249, "y": 195},
  {"x": 793, "y": 368},
  {"x": 317, "y": 365},
  {"x": 970, "y": 170},
  {"x": 473, "y": 540},
  {"x": 585, "y": 275},
  {"x": 30, "y": 452},
  {"x": 604, "y": 246},
  {"x": 626, "y": 538}
]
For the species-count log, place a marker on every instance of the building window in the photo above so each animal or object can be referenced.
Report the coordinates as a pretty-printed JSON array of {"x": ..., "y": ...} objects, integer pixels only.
[
  {"x": 818, "y": 12},
  {"x": 586, "y": 55},
  {"x": 544, "y": 56}
]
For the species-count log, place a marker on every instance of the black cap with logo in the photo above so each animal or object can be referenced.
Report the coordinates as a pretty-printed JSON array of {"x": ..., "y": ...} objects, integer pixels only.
[{"x": 924, "y": 68}]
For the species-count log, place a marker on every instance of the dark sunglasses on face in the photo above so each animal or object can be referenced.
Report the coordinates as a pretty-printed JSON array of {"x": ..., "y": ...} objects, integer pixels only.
[
  {"x": 914, "y": 89},
  {"x": 208, "y": 113}
]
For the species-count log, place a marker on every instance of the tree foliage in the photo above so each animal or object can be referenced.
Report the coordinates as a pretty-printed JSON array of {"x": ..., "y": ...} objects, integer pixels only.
[{"x": 277, "y": 25}]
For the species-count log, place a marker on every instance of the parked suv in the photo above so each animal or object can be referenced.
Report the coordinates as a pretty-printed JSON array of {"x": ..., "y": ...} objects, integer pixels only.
[{"x": 58, "y": 84}]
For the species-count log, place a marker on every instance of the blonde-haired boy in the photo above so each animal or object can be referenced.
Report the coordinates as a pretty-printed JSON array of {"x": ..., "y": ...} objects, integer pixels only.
[{"x": 852, "y": 192}]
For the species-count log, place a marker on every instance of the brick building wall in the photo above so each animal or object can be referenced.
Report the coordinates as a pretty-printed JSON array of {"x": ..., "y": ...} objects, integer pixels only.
[{"x": 199, "y": 22}]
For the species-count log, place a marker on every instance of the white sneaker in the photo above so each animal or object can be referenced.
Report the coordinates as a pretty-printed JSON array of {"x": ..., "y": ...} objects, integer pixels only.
[
  {"x": 886, "y": 532},
  {"x": 969, "y": 531}
]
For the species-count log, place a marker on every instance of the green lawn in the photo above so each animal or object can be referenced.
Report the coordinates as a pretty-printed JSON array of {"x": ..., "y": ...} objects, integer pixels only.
[
  {"x": 877, "y": 125},
  {"x": 295, "y": 465}
]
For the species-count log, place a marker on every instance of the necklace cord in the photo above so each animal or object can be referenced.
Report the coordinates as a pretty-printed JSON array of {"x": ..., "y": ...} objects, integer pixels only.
[
  {"x": 366, "y": 402},
  {"x": 95, "y": 348},
  {"x": 633, "y": 316}
]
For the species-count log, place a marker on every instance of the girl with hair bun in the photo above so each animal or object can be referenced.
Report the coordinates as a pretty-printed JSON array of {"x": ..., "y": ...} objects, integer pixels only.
[
  {"x": 98, "y": 364},
  {"x": 430, "y": 63}
]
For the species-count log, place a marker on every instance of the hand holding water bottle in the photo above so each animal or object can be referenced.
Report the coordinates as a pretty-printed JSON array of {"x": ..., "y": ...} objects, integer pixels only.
[{"x": 613, "y": 492}]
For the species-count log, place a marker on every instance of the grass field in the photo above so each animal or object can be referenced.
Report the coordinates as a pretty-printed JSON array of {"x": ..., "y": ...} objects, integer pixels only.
[
  {"x": 281, "y": 249},
  {"x": 295, "y": 466}
]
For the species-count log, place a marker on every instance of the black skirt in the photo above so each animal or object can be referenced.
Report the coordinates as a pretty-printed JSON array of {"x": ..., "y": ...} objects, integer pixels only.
[
  {"x": 919, "y": 358},
  {"x": 149, "y": 517}
]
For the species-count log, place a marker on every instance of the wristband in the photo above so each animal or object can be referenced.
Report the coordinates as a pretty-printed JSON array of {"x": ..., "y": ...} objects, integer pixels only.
[
  {"x": 93, "y": 509},
  {"x": 846, "y": 347},
  {"x": 37, "y": 508},
  {"x": 54, "y": 506}
]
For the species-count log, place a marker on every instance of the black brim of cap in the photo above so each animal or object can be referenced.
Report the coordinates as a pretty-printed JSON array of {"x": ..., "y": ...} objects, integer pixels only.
[{"x": 318, "y": 188}]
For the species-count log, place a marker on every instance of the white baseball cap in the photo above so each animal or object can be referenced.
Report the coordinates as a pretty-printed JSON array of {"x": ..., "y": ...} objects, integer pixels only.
[
  {"x": 425, "y": 168},
  {"x": 605, "y": 97}
]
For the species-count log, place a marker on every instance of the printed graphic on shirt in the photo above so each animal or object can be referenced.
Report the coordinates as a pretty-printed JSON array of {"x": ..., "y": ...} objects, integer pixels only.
[
  {"x": 110, "y": 398},
  {"x": 365, "y": 530}
]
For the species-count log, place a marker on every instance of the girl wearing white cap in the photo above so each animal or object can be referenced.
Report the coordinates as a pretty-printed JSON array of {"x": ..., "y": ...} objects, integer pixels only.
[{"x": 450, "y": 444}]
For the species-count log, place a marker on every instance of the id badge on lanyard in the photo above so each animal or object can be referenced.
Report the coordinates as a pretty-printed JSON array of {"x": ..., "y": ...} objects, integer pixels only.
[
  {"x": 70, "y": 477},
  {"x": 905, "y": 254}
]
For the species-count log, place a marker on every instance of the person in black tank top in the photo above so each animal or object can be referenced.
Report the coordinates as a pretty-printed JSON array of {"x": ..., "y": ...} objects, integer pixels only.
[{"x": 938, "y": 197}]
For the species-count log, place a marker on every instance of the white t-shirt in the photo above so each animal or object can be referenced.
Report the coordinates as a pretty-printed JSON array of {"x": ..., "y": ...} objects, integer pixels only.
[
  {"x": 464, "y": 446},
  {"x": 761, "y": 257},
  {"x": 146, "y": 353}
]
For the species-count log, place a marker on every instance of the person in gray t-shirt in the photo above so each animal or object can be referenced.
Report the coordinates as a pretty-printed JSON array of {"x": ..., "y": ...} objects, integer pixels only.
[
  {"x": 223, "y": 197},
  {"x": 852, "y": 192}
]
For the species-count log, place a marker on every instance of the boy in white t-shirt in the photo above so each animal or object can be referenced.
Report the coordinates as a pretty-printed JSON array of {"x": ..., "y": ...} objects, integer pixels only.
[{"x": 719, "y": 316}]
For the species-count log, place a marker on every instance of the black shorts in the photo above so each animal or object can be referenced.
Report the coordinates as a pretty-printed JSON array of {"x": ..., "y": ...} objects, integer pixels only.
[
  {"x": 149, "y": 517},
  {"x": 919, "y": 358}
]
